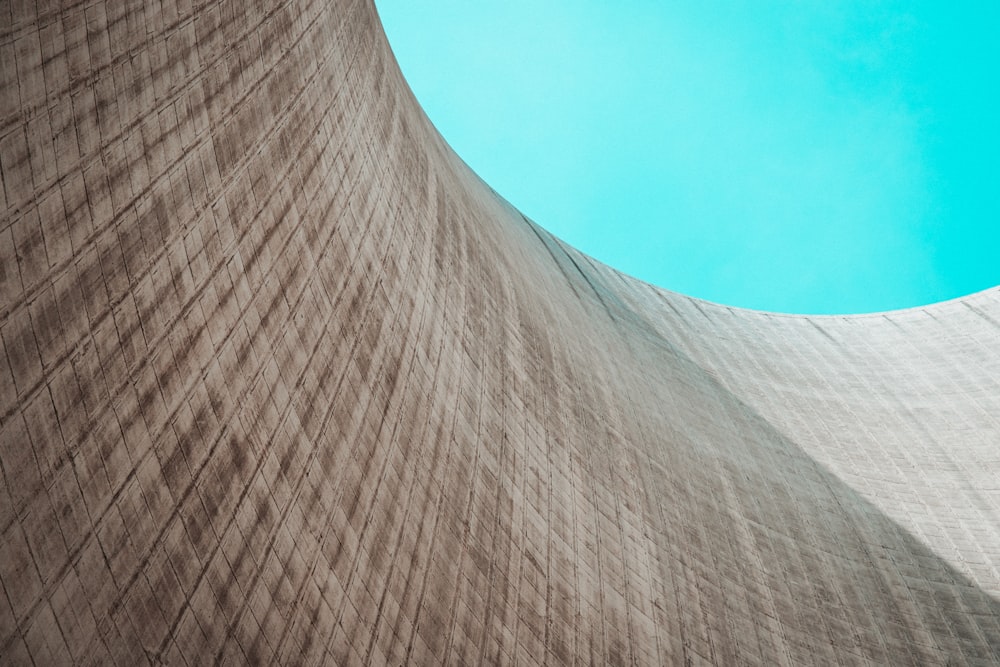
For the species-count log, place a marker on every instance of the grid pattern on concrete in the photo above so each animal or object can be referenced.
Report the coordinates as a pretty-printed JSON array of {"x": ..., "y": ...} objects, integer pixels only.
[{"x": 281, "y": 381}]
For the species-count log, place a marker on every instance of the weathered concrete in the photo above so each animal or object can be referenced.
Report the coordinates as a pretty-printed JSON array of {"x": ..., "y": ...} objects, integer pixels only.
[{"x": 283, "y": 382}]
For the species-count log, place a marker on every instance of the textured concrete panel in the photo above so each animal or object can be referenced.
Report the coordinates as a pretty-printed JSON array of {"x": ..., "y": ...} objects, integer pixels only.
[{"x": 283, "y": 382}]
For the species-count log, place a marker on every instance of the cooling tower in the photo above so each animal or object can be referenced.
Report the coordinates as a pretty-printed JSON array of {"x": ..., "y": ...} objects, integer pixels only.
[{"x": 283, "y": 382}]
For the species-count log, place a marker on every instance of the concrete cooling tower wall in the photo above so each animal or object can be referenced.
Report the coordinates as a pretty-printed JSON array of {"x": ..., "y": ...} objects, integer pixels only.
[{"x": 283, "y": 382}]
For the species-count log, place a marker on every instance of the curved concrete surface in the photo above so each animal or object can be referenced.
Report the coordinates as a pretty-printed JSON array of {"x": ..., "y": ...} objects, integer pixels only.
[{"x": 283, "y": 382}]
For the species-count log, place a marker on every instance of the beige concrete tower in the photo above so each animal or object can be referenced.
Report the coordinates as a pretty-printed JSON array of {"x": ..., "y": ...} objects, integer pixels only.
[{"x": 283, "y": 382}]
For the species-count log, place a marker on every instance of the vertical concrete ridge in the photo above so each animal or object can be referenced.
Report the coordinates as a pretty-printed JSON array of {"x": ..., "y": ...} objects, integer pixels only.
[{"x": 283, "y": 382}]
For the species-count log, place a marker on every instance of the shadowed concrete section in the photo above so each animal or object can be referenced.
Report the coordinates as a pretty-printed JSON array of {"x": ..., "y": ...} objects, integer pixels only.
[{"x": 283, "y": 382}]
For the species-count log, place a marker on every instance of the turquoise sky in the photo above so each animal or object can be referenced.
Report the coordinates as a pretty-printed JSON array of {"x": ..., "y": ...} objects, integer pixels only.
[{"x": 801, "y": 156}]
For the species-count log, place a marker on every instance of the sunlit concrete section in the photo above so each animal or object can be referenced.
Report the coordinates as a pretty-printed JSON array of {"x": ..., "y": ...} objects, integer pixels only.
[{"x": 283, "y": 382}]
